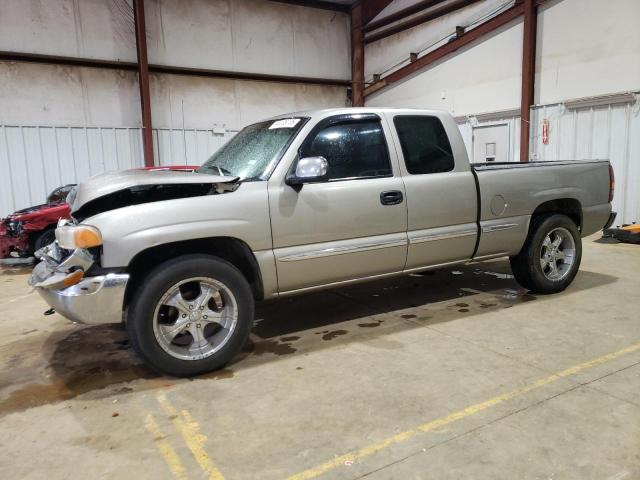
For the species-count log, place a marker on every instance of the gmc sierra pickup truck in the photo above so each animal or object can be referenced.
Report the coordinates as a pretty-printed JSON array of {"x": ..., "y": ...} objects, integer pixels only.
[{"x": 302, "y": 202}]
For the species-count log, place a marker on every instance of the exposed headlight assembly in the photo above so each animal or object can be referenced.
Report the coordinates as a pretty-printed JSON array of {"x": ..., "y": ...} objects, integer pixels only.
[
  {"x": 14, "y": 227},
  {"x": 78, "y": 236}
]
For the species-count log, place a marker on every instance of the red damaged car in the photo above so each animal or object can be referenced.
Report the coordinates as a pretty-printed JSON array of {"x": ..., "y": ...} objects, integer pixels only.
[{"x": 25, "y": 231}]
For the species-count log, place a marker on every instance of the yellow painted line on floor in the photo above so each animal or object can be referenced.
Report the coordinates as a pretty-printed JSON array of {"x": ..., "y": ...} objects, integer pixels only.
[
  {"x": 190, "y": 431},
  {"x": 21, "y": 297},
  {"x": 458, "y": 415},
  {"x": 166, "y": 450}
]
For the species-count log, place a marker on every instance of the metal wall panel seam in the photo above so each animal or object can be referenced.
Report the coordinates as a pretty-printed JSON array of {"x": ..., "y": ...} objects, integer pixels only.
[{"x": 6, "y": 148}]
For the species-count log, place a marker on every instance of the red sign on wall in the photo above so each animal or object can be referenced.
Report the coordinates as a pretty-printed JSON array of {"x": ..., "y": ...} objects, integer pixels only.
[{"x": 545, "y": 131}]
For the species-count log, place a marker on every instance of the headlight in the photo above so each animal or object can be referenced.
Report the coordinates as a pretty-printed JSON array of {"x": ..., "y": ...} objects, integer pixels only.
[
  {"x": 14, "y": 227},
  {"x": 78, "y": 236}
]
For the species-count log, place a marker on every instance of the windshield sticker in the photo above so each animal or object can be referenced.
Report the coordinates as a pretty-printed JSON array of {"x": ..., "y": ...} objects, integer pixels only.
[{"x": 286, "y": 123}]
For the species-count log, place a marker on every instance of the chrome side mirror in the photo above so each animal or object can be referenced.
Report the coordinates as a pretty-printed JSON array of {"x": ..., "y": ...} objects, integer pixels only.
[{"x": 309, "y": 170}]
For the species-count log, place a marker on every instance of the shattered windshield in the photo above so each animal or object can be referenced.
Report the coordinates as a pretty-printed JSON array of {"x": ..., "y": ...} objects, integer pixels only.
[{"x": 254, "y": 152}]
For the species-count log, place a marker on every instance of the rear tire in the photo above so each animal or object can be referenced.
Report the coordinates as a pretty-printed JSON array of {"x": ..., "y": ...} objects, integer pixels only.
[
  {"x": 551, "y": 255},
  {"x": 190, "y": 315}
]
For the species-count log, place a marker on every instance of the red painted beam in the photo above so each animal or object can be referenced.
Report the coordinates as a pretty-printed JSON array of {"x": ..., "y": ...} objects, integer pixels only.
[
  {"x": 167, "y": 69},
  {"x": 357, "y": 57},
  {"x": 448, "y": 48},
  {"x": 143, "y": 80},
  {"x": 528, "y": 75},
  {"x": 430, "y": 14}
]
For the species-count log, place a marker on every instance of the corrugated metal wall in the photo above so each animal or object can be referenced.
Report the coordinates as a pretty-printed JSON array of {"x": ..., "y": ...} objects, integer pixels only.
[
  {"x": 34, "y": 160},
  {"x": 187, "y": 147},
  {"x": 609, "y": 132}
]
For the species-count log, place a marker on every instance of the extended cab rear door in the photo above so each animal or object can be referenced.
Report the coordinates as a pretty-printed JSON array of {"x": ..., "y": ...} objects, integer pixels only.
[
  {"x": 349, "y": 226},
  {"x": 440, "y": 188}
]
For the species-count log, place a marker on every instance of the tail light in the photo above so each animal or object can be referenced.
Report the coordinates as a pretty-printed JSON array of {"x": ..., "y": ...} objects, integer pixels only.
[{"x": 612, "y": 183}]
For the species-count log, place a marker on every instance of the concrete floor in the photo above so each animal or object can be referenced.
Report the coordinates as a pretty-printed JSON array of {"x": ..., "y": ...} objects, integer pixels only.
[{"x": 457, "y": 374}]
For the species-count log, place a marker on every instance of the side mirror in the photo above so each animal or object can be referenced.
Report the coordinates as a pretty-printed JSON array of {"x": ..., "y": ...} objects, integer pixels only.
[{"x": 309, "y": 170}]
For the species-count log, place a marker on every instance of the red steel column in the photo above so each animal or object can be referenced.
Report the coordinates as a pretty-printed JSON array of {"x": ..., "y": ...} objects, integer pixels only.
[
  {"x": 143, "y": 80},
  {"x": 528, "y": 75},
  {"x": 357, "y": 57}
]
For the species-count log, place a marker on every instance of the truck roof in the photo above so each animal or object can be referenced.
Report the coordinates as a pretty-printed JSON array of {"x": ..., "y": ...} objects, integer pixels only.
[{"x": 327, "y": 112}]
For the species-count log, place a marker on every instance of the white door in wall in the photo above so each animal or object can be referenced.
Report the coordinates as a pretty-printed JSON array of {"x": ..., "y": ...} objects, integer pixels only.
[{"x": 491, "y": 143}]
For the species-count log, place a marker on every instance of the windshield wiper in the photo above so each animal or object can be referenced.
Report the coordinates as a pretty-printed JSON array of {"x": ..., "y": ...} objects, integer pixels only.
[{"x": 221, "y": 171}]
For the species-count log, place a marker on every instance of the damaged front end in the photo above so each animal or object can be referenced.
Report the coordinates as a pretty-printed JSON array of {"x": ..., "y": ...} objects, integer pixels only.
[
  {"x": 13, "y": 238},
  {"x": 71, "y": 276},
  {"x": 60, "y": 278},
  {"x": 140, "y": 194},
  {"x": 115, "y": 190},
  {"x": 19, "y": 232}
]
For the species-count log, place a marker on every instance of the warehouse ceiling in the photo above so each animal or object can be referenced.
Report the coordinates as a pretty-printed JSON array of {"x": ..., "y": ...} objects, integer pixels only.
[{"x": 340, "y": 5}]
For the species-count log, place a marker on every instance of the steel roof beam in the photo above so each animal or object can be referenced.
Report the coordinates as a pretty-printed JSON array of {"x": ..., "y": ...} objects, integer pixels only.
[
  {"x": 466, "y": 38},
  {"x": 430, "y": 14}
]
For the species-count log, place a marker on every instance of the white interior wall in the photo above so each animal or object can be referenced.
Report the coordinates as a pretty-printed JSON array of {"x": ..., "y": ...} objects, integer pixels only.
[
  {"x": 249, "y": 36},
  {"x": 481, "y": 77},
  {"x": 382, "y": 54},
  {"x": 73, "y": 122},
  {"x": 198, "y": 102},
  {"x": 38, "y": 94},
  {"x": 254, "y": 36},
  {"x": 90, "y": 123},
  {"x": 75, "y": 28},
  {"x": 585, "y": 48}
]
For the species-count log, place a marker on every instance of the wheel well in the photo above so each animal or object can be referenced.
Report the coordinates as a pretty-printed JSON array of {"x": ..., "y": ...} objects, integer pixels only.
[
  {"x": 34, "y": 235},
  {"x": 567, "y": 206},
  {"x": 230, "y": 249}
]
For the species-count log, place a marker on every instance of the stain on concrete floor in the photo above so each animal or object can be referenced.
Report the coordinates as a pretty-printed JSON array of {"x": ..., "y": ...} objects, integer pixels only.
[
  {"x": 82, "y": 360},
  {"x": 76, "y": 360}
]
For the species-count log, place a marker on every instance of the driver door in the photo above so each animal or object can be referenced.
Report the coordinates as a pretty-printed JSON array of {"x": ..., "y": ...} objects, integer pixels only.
[{"x": 350, "y": 225}]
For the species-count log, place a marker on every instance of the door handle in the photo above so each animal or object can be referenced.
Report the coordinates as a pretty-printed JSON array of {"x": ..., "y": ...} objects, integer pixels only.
[{"x": 392, "y": 197}]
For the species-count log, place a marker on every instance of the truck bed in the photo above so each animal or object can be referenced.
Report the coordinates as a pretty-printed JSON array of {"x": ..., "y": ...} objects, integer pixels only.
[
  {"x": 510, "y": 193},
  {"x": 510, "y": 165}
]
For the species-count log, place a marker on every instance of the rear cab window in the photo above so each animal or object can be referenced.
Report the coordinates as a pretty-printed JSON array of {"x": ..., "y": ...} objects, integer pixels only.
[{"x": 425, "y": 144}]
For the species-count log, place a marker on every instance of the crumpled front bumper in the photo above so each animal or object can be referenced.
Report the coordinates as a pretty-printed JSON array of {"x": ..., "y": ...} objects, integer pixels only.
[{"x": 93, "y": 300}]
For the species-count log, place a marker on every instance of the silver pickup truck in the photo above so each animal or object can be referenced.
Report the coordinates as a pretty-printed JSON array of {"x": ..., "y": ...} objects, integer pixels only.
[{"x": 302, "y": 202}]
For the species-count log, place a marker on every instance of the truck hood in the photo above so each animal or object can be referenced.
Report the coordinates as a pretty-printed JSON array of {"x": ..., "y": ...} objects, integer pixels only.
[{"x": 141, "y": 186}]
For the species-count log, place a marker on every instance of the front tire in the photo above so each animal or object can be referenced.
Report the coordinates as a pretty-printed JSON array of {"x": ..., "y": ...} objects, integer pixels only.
[
  {"x": 190, "y": 315},
  {"x": 550, "y": 258}
]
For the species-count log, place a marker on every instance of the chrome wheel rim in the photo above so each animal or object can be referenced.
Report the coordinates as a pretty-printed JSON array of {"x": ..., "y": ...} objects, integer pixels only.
[
  {"x": 195, "y": 318},
  {"x": 557, "y": 254}
]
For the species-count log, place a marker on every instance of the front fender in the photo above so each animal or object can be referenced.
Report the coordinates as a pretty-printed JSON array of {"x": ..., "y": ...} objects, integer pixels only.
[{"x": 130, "y": 230}]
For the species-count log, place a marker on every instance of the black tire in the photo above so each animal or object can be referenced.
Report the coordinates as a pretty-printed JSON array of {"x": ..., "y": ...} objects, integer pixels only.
[
  {"x": 43, "y": 239},
  {"x": 526, "y": 266},
  {"x": 140, "y": 322}
]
